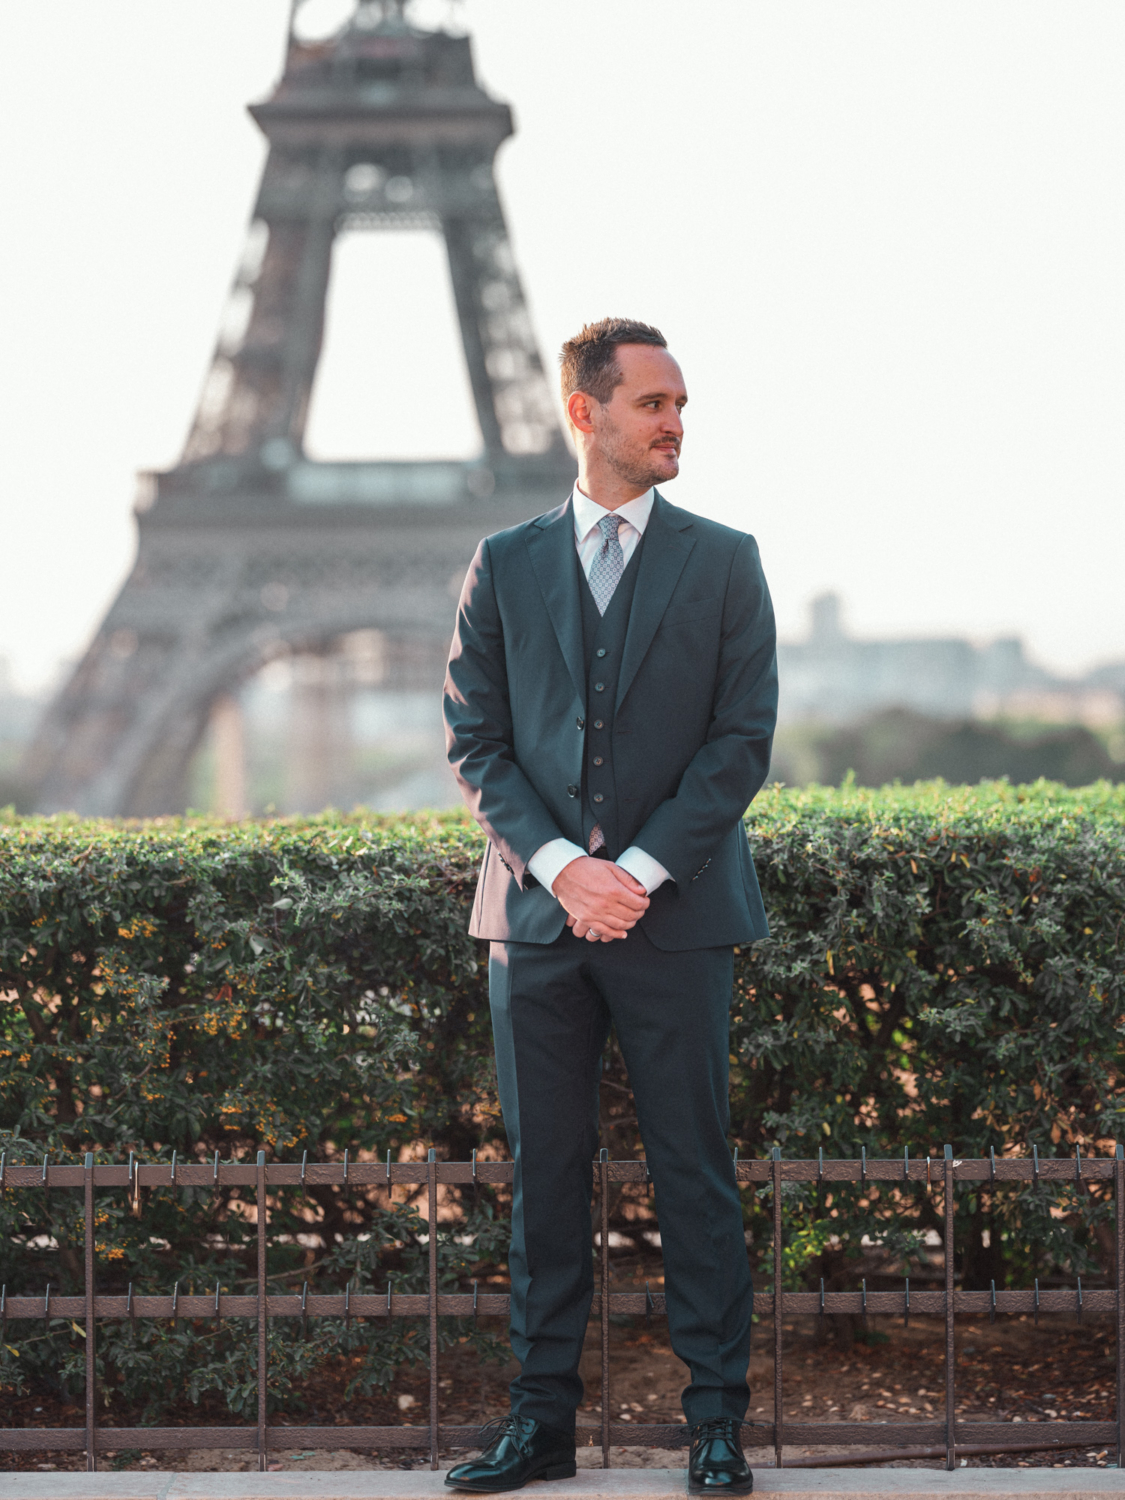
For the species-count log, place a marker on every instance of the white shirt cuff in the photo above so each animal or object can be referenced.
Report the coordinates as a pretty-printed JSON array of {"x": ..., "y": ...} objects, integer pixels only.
[
  {"x": 643, "y": 868},
  {"x": 548, "y": 860}
]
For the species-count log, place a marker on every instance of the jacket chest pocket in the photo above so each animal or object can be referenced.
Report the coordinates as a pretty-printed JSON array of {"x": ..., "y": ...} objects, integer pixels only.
[{"x": 689, "y": 611}]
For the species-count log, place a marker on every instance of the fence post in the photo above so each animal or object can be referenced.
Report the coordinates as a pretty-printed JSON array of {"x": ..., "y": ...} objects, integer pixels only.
[
  {"x": 778, "y": 1419},
  {"x": 950, "y": 1410},
  {"x": 603, "y": 1187},
  {"x": 1119, "y": 1247},
  {"x": 431, "y": 1209},
  {"x": 91, "y": 1362},
  {"x": 262, "y": 1331}
]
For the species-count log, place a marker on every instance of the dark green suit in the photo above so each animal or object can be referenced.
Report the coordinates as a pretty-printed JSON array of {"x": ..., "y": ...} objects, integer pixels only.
[{"x": 678, "y": 684}]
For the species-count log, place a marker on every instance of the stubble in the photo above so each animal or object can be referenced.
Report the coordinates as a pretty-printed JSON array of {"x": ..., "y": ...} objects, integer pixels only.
[{"x": 635, "y": 465}]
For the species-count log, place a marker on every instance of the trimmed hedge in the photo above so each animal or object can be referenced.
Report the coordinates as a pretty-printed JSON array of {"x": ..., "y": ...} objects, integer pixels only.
[{"x": 945, "y": 965}]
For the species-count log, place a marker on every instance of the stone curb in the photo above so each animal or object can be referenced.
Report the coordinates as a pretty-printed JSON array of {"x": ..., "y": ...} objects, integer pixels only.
[{"x": 590, "y": 1484}]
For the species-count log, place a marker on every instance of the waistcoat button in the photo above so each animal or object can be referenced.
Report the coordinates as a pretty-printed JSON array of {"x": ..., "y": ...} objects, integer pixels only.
[
  {"x": 600, "y": 651},
  {"x": 599, "y": 687},
  {"x": 598, "y": 724},
  {"x": 598, "y": 797},
  {"x": 597, "y": 760}
]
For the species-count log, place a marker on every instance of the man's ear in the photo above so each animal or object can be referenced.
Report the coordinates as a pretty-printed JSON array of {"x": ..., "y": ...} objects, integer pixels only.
[{"x": 578, "y": 410}]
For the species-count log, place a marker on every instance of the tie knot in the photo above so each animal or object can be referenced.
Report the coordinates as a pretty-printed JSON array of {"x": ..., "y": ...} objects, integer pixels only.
[{"x": 608, "y": 526}]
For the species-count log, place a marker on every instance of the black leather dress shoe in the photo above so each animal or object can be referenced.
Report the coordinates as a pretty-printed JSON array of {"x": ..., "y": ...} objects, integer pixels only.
[
  {"x": 716, "y": 1465},
  {"x": 516, "y": 1449}
]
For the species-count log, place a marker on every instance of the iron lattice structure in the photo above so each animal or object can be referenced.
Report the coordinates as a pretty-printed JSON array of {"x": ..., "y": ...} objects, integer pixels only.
[{"x": 247, "y": 549}]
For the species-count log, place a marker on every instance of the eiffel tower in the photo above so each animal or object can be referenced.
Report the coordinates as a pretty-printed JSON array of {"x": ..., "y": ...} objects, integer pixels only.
[{"x": 248, "y": 550}]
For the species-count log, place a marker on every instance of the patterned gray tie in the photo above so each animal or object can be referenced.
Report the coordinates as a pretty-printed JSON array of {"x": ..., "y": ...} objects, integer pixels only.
[
  {"x": 608, "y": 565},
  {"x": 605, "y": 575}
]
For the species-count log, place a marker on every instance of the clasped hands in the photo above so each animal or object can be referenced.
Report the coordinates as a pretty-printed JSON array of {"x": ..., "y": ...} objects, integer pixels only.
[{"x": 601, "y": 900}]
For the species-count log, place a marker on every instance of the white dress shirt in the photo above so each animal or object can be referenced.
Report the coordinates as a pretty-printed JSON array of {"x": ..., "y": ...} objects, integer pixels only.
[
  {"x": 547, "y": 862},
  {"x": 633, "y": 516}
]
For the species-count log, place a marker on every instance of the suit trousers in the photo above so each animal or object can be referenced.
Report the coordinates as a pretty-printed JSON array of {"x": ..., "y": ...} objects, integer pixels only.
[{"x": 552, "y": 1008}]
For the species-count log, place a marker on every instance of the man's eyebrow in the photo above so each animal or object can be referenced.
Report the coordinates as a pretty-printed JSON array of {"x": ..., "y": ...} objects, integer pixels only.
[{"x": 656, "y": 395}]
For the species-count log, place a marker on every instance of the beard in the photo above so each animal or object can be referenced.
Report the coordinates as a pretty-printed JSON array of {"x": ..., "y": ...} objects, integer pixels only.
[{"x": 636, "y": 465}]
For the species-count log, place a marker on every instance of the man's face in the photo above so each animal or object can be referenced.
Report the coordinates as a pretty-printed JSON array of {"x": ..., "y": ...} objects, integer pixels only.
[{"x": 639, "y": 430}]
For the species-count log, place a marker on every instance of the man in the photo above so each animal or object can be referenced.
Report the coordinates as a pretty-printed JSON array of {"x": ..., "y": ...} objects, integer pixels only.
[{"x": 610, "y": 703}]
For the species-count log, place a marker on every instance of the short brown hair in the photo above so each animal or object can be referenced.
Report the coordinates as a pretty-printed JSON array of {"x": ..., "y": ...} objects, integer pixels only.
[{"x": 589, "y": 360}]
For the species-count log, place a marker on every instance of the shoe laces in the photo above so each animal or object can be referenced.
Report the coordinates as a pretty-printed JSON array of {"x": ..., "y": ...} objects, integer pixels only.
[
  {"x": 713, "y": 1427},
  {"x": 501, "y": 1427}
]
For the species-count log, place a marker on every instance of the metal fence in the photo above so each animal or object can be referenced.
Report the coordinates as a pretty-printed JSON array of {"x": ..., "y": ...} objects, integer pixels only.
[{"x": 947, "y": 1437}]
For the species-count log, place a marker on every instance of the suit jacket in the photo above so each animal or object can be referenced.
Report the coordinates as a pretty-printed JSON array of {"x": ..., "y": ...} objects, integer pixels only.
[{"x": 692, "y": 725}]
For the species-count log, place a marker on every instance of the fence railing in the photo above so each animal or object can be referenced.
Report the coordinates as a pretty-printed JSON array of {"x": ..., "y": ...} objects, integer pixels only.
[{"x": 945, "y": 1437}]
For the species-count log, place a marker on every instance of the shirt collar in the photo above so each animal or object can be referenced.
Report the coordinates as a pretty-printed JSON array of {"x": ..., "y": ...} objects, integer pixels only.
[{"x": 587, "y": 512}]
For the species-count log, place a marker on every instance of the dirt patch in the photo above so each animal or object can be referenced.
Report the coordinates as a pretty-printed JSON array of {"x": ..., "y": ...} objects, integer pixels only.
[{"x": 1010, "y": 1371}]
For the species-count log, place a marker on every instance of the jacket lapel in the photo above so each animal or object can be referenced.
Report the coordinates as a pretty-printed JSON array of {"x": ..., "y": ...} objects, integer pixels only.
[
  {"x": 550, "y": 545},
  {"x": 667, "y": 543}
]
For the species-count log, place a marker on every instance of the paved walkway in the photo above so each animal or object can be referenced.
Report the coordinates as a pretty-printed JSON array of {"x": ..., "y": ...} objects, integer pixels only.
[{"x": 590, "y": 1484}]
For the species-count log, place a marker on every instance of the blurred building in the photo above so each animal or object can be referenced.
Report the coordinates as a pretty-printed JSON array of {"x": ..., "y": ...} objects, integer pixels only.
[{"x": 831, "y": 677}]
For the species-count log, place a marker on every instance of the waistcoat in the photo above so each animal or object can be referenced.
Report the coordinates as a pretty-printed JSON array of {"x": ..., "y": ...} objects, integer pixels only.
[{"x": 603, "y": 641}]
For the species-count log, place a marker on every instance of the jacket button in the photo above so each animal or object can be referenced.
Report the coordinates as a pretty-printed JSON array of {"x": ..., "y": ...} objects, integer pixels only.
[
  {"x": 582, "y": 723},
  {"x": 572, "y": 791},
  {"x": 599, "y": 687},
  {"x": 598, "y": 797},
  {"x": 598, "y": 724},
  {"x": 597, "y": 760},
  {"x": 600, "y": 651}
]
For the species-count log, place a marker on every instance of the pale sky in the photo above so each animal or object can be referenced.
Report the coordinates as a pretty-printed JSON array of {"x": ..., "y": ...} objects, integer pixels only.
[{"x": 885, "y": 239}]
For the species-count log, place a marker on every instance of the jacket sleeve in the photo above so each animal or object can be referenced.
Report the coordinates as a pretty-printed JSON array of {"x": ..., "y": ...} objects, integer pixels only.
[
  {"x": 728, "y": 770},
  {"x": 478, "y": 728}
]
